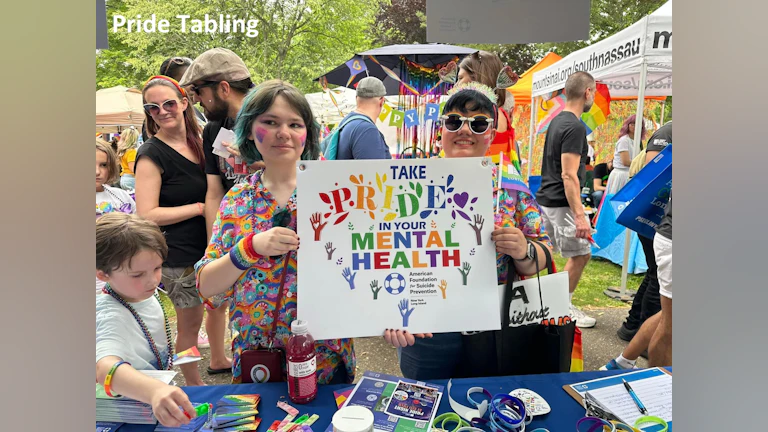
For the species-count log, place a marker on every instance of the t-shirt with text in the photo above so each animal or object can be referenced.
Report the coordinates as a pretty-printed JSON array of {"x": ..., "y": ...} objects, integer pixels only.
[{"x": 231, "y": 170}]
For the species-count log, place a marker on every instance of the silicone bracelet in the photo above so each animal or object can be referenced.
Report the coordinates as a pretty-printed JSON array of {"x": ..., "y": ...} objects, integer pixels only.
[
  {"x": 450, "y": 417},
  {"x": 624, "y": 427},
  {"x": 474, "y": 390},
  {"x": 596, "y": 425},
  {"x": 108, "y": 378},
  {"x": 512, "y": 419},
  {"x": 653, "y": 421}
]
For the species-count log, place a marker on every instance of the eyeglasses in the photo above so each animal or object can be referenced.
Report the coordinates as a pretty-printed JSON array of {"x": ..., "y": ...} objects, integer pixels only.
[
  {"x": 196, "y": 88},
  {"x": 171, "y": 105},
  {"x": 477, "y": 124}
]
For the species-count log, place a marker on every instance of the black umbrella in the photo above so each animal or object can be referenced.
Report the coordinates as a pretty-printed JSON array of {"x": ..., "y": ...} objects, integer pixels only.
[{"x": 427, "y": 55}]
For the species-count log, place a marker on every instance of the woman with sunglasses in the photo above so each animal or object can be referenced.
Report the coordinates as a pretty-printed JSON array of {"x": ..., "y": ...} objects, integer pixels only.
[
  {"x": 174, "y": 67},
  {"x": 468, "y": 128},
  {"x": 170, "y": 191},
  {"x": 251, "y": 258},
  {"x": 484, "y": 67}
]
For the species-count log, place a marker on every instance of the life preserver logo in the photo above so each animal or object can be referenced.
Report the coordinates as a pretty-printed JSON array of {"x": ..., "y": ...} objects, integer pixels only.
[{"x": 260, "y": 374}]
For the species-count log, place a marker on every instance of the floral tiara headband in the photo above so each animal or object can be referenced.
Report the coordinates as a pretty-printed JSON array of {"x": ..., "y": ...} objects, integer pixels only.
[
  {"x": 475, "y": 86},
  {"x": 170, "y": 80},
  {"x": 506, "y": 78}
]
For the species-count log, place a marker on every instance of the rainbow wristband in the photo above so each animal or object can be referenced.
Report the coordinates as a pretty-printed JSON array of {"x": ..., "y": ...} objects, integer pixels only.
[
  {"x": 108, "y": 378},
  {"x": 650, "y": 421},
  {"x": 242, "y": 254}
]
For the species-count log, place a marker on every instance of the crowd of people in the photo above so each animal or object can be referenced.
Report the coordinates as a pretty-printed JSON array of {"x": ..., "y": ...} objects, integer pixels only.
[{"x": 219, "y": 233}]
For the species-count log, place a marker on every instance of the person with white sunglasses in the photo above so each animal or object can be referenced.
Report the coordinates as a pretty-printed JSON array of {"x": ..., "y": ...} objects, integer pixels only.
[{"x": 170, "y": 191}]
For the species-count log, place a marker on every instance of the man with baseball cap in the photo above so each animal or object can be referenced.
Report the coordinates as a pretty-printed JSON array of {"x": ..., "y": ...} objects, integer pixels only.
[
  {"x": 218, "y": 80},
  {"x": 360, "y": 138}
]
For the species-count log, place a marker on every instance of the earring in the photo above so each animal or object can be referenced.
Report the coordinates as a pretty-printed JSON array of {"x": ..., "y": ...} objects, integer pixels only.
[{"x": 209, "y": 101}]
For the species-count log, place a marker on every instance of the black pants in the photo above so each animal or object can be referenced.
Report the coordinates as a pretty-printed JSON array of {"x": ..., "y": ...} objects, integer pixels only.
[{"x": 646, "y": 302}]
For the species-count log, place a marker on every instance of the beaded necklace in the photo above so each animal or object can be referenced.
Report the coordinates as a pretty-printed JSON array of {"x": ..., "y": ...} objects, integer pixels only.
[{"x": 108, "y": 290}]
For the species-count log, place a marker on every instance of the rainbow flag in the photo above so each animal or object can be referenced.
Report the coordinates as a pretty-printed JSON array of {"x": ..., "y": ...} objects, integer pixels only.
[
  {"x": 596, "y": 116},
  {"x": 509, "y": 176},
  {"x": 600, "y": 111},
  {"x": 548, "y": 110}
]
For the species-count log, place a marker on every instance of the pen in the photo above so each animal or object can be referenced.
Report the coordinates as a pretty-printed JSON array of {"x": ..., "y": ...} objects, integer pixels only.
[{"x": 639, "y": 404}]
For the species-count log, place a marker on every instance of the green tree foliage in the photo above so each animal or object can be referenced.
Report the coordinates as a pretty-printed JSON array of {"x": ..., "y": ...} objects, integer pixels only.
[
  {"x": 404, "y": 22},
  {"x": 400, "y": 22},
  {"x": 298, "y": 40}
]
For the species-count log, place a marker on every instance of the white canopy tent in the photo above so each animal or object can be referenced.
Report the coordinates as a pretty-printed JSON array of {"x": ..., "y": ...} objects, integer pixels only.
[
  {"x": 619, "y": 59},
  {"x": 118, "y": 107},
  {"x": 641, "y": 53}
]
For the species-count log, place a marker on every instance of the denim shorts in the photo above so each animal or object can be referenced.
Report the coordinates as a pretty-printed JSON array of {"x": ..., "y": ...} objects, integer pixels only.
[{"x": 431, "y": 358}]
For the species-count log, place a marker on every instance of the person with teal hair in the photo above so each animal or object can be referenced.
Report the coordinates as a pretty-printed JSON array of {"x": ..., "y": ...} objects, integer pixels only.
[
  {"x": 252, "y": 251},
  {"x": 258, "y": 102}
]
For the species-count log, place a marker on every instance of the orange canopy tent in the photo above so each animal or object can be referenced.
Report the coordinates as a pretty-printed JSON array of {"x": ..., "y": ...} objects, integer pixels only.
[{"x": 522, "y": 89}]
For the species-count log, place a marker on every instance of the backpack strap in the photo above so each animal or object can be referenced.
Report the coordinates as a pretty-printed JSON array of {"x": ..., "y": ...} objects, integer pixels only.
[{"x": 354, "y": 117}]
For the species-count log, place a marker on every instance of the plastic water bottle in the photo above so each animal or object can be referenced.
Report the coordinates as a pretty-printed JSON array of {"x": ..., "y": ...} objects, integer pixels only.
[{"x": 302, "y": 364}]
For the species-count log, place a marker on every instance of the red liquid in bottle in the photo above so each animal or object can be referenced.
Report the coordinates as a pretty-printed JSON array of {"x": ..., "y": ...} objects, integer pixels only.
[{"x": 302, "y": 364}]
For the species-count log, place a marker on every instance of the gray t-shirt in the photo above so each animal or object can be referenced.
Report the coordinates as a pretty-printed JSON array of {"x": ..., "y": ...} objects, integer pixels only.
[
  {"x": 118, "y": 333},
  {"x": 361, "y": 139}
]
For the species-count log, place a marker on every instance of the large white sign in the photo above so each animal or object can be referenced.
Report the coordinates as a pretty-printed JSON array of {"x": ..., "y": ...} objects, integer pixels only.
[{"x": 396, "y": 244}]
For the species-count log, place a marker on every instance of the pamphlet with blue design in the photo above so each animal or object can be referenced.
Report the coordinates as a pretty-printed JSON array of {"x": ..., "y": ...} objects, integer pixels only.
[{"x": 398, "y": 404}]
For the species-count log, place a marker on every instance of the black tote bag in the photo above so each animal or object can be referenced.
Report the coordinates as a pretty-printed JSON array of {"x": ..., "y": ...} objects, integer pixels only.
[{"x": 524, "y": 350}]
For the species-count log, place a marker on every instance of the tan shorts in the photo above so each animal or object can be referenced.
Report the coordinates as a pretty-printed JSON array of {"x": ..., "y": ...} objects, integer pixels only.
[
  {"x": 662, "y": 248},
  {"x": 179, "y": 283},
  {"x": 555, "y": 222}
]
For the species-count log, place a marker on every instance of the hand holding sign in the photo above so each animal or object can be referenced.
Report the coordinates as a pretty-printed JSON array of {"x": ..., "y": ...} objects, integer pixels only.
[
  {"x": 510, "y": 241},
  {"x": 403, "y": 338},
  {"x": 276, "y": 241}
]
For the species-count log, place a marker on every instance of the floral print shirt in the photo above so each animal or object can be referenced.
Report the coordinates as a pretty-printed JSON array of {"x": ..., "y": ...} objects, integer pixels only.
[
  {"x": 249, "y": 207},
  {"x": 517, "y": 209}
]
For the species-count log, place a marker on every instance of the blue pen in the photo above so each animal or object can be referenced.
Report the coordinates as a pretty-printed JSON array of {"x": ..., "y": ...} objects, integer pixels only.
[{"x": 639, "y": 404}]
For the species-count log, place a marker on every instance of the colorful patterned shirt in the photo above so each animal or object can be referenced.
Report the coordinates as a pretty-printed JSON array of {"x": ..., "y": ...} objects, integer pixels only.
[
  {"x": 249, "y": 207},
  {"x": 517, "y": 209}
]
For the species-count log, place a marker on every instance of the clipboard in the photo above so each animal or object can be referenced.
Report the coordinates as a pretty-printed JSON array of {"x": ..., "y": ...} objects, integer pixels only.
[{"x": 569, "y": 388}]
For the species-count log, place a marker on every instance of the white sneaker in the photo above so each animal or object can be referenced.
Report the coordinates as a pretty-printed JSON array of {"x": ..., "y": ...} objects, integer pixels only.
[{"x": 582, "y": 319}]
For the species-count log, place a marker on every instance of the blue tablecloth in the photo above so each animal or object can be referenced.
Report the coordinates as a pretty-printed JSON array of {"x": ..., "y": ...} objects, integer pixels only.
[{"x": 565, "y": 410}]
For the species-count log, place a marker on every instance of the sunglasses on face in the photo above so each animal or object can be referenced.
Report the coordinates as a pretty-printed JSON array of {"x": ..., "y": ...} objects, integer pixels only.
[
  {"x": 477, "y": 124},
  {"x": 171, "y": 105},
  {"x": 179, "y": 61},
  {"x": 194, "y": 88}
]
